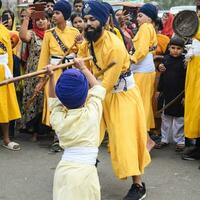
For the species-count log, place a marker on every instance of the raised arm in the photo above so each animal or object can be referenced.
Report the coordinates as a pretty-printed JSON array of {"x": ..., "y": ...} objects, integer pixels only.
[
  {"x": 79, "y": 63},
  {"x": 24, "y": 33}
]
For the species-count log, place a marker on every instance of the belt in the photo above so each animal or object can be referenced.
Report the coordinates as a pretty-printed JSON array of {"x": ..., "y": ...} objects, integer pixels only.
[{"x": 125, "y": 82}]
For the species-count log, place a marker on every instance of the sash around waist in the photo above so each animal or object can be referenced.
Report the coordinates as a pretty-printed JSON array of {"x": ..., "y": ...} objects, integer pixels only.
[
  {"x": 55, "y": 59},
  {"x": 81, "y": 155},
  {"x": 4, "y": 62},
  {"x": 146, "y": 65},
  {"x": 125, "y": 82}
]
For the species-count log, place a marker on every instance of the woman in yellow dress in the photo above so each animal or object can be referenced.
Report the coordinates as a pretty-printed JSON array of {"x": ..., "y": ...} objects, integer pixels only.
[{"x": 9, "y": 109}]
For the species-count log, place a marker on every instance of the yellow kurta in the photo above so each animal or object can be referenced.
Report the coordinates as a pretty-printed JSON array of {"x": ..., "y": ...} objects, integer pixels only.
[
  {"x": 50, "y": 47},
  {"x": 123, "y": 113},
  {"x": 9, "y": 109},
  {"x": 144, "y": 40},
  {"x": 192, "y": 96},
  {"x": 77, "y": 128}
]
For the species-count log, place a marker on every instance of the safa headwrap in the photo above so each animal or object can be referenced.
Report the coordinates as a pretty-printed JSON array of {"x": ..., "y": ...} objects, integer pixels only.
[
  {"x": 72, "y": 88},
  {"x": 97, "y": 10},
  {"x": 150, "y": 10},
  {"x": 64, "y": 7}
]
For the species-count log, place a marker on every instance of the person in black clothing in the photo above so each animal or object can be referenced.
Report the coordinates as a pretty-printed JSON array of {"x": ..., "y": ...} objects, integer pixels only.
[{"x": 171, "y": 84}]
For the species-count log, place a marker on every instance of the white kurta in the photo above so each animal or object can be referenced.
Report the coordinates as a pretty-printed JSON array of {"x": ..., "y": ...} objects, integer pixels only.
[{"x": 77, "y": 128}]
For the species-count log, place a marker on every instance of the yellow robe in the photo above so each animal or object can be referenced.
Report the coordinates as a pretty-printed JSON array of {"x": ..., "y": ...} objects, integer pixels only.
[
  {"x": 50, "y": 47},
  {"x": 144, "y": 39},
  {"x": 123, "y": 111},
  {"x": 192, "y": 96},
  {"x": 9, "y": 109}
]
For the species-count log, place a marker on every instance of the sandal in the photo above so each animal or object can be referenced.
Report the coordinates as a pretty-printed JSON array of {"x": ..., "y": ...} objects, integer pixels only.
[
  {"x": 12, "y": 146},
  {"x": 180, "y": 147},
  {"x": 160, "y": 145}
]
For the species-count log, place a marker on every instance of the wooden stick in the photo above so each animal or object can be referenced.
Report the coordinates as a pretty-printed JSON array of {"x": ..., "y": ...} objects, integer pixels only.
[
  {"x": 104, "y": 70},
  {"x": 43, "y": 71},
  {"x": 171, "y": 102}
]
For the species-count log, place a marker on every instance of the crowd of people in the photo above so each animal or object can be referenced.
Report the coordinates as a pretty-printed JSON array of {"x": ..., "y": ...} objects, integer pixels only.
[{"x": 138, "y": 66}]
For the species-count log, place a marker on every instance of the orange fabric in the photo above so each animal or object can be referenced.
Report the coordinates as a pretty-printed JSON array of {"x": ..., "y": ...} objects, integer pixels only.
[{"x": 163, "y": 41}]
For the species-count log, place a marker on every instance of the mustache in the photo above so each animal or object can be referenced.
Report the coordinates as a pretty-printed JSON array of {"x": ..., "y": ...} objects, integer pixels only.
[{"x": 89, "y": 27}]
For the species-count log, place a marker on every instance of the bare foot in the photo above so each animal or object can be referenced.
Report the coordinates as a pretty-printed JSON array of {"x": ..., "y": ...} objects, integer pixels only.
[{"x": 150, "y": 144}]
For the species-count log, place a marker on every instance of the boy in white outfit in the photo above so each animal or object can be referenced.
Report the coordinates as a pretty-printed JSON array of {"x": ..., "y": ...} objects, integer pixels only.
[{"x": 75, "y": 117}]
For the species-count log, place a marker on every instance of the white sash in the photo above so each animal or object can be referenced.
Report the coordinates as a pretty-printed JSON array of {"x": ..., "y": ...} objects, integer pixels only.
[
  {"x": 193, "y": 50},
  {"x": 146, "y": 65},
  {"x": 55, "y": 61},
  {"x": 82, "y": 155},
  {"x": 4, "y": 62}
]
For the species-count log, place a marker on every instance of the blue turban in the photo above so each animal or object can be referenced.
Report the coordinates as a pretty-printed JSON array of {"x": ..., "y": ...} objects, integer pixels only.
[
  {"x": 150, "y": 10},
  {"x": 97, "y": 10},
  {"x": 111, "y": 11},
  {"x": 64, "y": 7},
  {"x": 72, "y": 88}
]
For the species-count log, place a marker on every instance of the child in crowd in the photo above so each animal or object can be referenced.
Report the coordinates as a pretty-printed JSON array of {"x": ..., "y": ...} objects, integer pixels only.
[
  {"x": 75, "y": 117},
  {"x": 171, "y": 84},
  {"x": 77, "y": 21}
]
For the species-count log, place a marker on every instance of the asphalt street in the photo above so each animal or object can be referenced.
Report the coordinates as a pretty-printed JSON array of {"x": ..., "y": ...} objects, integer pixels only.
[{"x": 28, "y": 174}]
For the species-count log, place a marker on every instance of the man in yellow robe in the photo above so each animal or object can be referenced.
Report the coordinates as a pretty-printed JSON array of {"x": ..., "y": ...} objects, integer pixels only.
[
  {"x": 192, "y": 97},
  {"x": 9, "y": 109},
  {"x": 123, "y": 112},
  {"x": 143, "y": 67}
]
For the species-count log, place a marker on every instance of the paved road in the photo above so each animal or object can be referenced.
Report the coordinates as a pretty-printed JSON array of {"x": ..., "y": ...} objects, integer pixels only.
[{"x": 28, "y": 175}]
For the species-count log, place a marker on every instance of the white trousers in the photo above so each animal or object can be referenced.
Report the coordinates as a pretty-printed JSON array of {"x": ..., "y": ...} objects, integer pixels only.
[{"x": 172, "y": 125}]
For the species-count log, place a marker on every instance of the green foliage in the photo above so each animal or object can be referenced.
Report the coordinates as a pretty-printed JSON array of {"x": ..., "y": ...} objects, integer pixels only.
[{"x": 166, "y": 4}]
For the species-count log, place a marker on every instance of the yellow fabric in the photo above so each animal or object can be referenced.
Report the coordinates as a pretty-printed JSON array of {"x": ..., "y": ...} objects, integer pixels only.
[
  {"x": 163, "y": 41},
  {"x": 192, "y": 97},
  {"x": 144, "y": 39},
  {"x": 145, "y": 82},
  {"x": 9, "y": 109},
  {"x": 76, "y": 182},
  {"x": 127, "y": 137},
  {"x": 118, "y": 34},
  {"x": 51, "y": 47},
  {"x": 77, "y": 128}
]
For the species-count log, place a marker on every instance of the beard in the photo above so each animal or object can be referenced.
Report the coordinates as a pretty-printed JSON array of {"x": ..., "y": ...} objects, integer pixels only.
[{"x": 94, "y": 34}]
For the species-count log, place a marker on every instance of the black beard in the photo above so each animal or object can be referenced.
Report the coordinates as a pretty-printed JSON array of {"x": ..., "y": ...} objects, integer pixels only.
[{"x": 93, "y": 36}]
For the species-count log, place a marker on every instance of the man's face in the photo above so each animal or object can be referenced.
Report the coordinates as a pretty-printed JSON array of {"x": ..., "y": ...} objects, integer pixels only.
[
  {"x": 49, "y": 8},
  {"x": 93, "y": 28},
  {"x": 78, "y": 7}
]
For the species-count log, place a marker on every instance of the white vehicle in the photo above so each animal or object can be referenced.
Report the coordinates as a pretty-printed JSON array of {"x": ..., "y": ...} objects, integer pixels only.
[
  {"x": 176, "y": 9},
  {"x": 161, "y": 12}
]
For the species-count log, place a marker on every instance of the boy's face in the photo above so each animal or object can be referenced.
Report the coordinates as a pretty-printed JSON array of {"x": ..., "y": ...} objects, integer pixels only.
[{"x": 175, "y": 50}]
